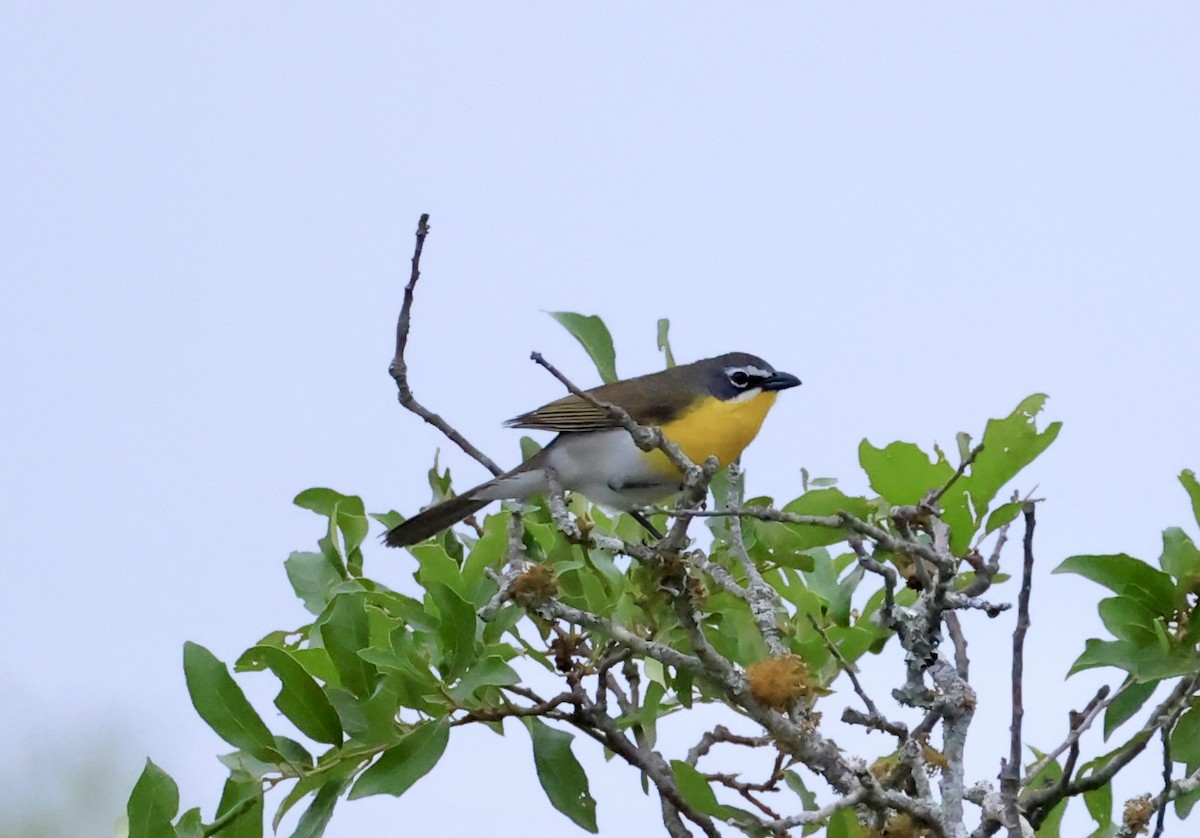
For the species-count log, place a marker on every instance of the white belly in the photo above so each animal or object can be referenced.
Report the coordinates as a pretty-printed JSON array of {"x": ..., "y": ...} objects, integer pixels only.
[{"x": 605, "y": 466}]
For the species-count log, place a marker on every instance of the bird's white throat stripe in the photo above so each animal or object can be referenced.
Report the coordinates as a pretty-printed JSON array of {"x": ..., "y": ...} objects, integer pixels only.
[{"x": 745, "y": 396}]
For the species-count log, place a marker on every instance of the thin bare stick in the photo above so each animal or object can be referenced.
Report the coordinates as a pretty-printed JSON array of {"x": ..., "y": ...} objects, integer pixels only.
[
  {"x": 1079, "y": 723},
  {"x": 848, "y": 668},
  {"x": 1166, "y": 775},
  {"x": 839, "y": 520},
  {"x": 961, "y": 660},
  {"x": 720, "y": 733},
  {"x": 646, "y": 437},
  {"x": 1010, "y": 769},
  {"x": 931, "y": 502},
  {"x": 696, "y": 478},
  {"x": 399, "y": 368},
  {"x": 1038, "y": 802}
]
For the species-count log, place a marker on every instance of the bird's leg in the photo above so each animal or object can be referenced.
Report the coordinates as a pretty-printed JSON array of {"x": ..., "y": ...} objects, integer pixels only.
[{"x": 645, "y": 522}]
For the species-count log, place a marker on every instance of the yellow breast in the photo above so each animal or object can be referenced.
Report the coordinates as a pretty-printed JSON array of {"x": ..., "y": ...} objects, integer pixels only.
[{"x": 715, "y": 428}]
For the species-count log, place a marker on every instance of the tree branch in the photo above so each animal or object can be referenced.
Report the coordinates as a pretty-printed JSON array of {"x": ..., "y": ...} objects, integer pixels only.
[
  {"x": 1079, "y": 723},
  {"x": 399, "y": 368},
  {"x": 1038, "y": 802},
  {"x": 1010, "y": 769}
]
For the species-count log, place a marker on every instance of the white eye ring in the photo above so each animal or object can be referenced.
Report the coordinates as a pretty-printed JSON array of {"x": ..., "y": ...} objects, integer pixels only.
[{"x": 739, "y": 378}]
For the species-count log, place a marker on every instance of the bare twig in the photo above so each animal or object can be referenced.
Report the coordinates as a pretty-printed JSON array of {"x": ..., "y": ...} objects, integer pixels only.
[
  {"x": 854, "y": 717},
  {"x": 818, "y": 815},
  {"x": 961, "y": 661},
  {"x": 1079, "y": 723},
  {"x": 848, "y": 668},
  {"x": 930, "y": 503},
  {"x": 650, "y": 762},
  {"x": 1038, "y": 802},
  {"x": 747, "y": 790},
  {"x": 720, "y": 733},
  {"x": 556, "y": 501},
  {"x": 1010, "y": 769},
  {"x": 1158, "y": 803},
  {"x": 839, "y": 520},
  {"x": 646, "y": 437},
  {"x": 1166, "y": 775},
  {"x": 696, "y": 478},
  {"x": 483, "y": 714},
  {"x": 647, "y": 648},
  {"x": 399, "y": 368}
]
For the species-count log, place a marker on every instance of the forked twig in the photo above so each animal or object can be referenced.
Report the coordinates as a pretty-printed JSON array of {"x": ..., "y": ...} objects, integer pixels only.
[{"x": 399, "y": 368}]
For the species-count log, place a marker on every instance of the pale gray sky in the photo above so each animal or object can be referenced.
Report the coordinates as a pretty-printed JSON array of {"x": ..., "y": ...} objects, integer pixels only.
[{"x": 925, "y": 213}]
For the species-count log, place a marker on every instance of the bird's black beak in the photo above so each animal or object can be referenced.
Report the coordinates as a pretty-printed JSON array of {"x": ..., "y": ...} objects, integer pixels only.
[{"x": 780, "y": 381}]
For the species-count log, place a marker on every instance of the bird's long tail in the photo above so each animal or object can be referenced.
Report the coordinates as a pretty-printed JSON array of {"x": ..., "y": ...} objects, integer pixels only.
[{"x": 435, "y": 519}]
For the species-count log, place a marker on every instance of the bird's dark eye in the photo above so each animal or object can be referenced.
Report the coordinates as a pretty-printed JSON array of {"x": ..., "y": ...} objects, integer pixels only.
[{"x": 739, "y": 378}]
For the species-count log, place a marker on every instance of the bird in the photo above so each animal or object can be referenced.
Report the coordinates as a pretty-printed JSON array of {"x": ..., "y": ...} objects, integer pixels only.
[{"x": 711, "y": 407}]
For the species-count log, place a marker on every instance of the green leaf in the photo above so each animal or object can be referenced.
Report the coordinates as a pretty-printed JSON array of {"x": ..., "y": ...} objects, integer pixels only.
[
  {"x": 300, "y": 698},
  {"x": 808, "y": 800},
  {"x": 1185, "y": 739},
  {"x": 436, "y": 566},
  {"x": 191, "y": 825},
  {"x": 337, "y": 767},
  {"x": 1145, "y": 663},
  {"x": 1181, "y": 558},
  {"x": 844, "y": 824},
  {"x": 1047, "y": 777},
  {"x": 1053, "y": 821},
  {"x": 439, "y": 481},
  {"x": 1120, "y": 572},
  {"x": 1128, "y": 620},
  {"x": 247, "y": 799},
  {"x": 593, "y": 335},
  {"x": 345, "y": 631},
  {"x": 529, "y": 448},
  {"x": 223, "y": 706},
  {"x": 694, "y": 789},
  {"x": 345, "y": 513},
  {"x": 389, "y": 519},
  {"x": 560, "y": 773},
  {"x": 1129, "y": 699},
  {"x": 314, "y": 820},
  {"x": 312, "y": 578},
  {"x": 490, "y": 551},
  {"x": 1188, "y": 478},
  {"x": 820, "y": 502},
  {"x": 1099, "y": 804},
  {"x": 1009, "y": 445},
  {"x": 822, "y": 580},
  {"x": 456, "y": 630},
  {"x": 152, "y": 804},
  {"x": 1001, "y": 515},
  {"x": 902, "y": 473},
  {"x": 1185, "y": 802},
  {"x": 324, "y": 502},
  {"x": 489, "y": 672},
  {"x": 664, "y": 341},
  {"x": 404, "y": 763}
]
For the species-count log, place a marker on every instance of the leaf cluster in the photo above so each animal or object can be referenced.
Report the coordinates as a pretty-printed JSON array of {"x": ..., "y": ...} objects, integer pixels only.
[{"x": 375, "y": 681}]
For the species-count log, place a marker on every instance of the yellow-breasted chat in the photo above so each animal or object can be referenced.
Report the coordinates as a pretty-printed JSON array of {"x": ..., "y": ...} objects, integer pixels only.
[{"x": 712, "y": 407}]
